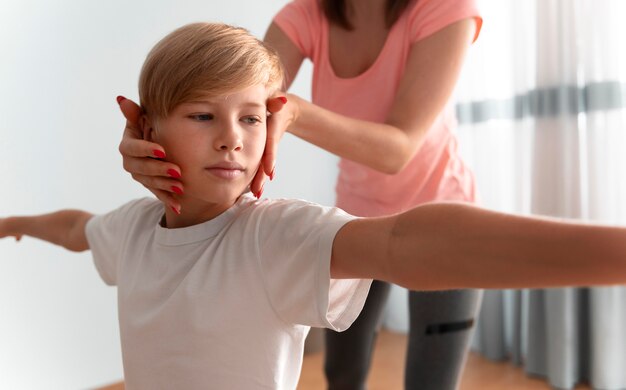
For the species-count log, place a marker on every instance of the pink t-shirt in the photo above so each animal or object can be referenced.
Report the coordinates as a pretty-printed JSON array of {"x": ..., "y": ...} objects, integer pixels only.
[{"x": 436, "y": 172}]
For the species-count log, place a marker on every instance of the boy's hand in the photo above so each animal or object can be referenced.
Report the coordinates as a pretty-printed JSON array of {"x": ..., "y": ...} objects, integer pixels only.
[
  {"x": 142, "y": 158},
  {"x": 282, "y": 115},
  {"x": 7, "y": 229}
]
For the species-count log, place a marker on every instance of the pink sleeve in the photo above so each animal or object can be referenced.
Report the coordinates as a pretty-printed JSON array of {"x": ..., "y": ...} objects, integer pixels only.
[
  {"x": 300, "y": 20},
  {"x": 430, "y": 16}
]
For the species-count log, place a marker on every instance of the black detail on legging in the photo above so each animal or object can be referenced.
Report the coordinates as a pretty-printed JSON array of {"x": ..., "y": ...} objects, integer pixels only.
[{"x": 449, "y": 327}]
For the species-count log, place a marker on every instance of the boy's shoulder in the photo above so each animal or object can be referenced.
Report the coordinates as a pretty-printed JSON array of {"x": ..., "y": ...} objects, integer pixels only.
[
  {"x": 281, "y": 205},
  {"x": 279, "y": 211},
  {"x": 139, "y": 206},
  {"x": 131, "y": 211}
]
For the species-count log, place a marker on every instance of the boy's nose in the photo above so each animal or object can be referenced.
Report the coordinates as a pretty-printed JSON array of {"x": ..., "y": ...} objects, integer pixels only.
[
  {"x": 227, "y": 147},
  {"x": 229, "y": 139}
]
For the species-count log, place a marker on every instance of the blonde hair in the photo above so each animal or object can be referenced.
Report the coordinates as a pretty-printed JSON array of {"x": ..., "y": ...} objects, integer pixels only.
[{"x": 204, "y": 59}]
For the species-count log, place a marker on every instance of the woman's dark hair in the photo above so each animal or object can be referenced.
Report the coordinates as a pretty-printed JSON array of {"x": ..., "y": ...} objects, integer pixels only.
[{"x": 336, "y": 12}]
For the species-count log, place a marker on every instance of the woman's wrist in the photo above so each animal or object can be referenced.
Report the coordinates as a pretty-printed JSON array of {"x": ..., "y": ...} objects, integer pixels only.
[{"x": 294, "y": 106}]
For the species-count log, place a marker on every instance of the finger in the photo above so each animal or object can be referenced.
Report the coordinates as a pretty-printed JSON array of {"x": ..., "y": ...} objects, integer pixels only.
[
  {"x": 130, "y": 109},
  {"x": 275, "y": 104},
  {"x": 269, "y": 155},
  {"x": 132, "y": 143},
  {"x": 168, "y": 200},
  {"x": 131, "y": 146},
  {"x": 159, "y": 183},
  {"x": 268, "y": 163},
  {"x": 256, "y": 186},
  {"x": 132, "y": 113},
  {"x": 151, "y": 167}
]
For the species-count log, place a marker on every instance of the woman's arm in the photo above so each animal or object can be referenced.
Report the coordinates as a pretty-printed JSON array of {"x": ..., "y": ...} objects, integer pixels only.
[
  {"x": 288, "y": 52},
  {"x": 449, "y": 246},
  {"x": 65, "y": 228},
  {"x": 432, "y": 70}
]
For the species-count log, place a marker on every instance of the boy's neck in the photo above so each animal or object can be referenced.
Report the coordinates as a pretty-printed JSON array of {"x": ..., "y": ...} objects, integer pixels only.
[{"x": 194, "y": 212}]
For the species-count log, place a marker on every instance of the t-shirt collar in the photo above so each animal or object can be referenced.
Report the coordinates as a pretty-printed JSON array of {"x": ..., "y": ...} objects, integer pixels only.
[{"x": 202, "y": 231}]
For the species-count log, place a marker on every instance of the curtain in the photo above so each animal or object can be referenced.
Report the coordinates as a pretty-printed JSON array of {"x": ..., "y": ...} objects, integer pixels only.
[{"x": 542, "y": 122}]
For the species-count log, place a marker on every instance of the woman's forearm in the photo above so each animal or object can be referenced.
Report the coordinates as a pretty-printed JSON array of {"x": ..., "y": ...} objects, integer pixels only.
[
  {"x": 447, "y": 246},
  {"x": 379, "y": 146}
]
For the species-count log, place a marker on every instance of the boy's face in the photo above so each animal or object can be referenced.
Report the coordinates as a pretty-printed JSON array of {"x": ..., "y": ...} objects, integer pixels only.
[{"x": 217, "y": 142}]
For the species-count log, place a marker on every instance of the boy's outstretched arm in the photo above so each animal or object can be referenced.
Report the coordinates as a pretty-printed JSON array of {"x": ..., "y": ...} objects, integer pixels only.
[
  {"x": 449, "y": 246},
  {"x": 65, "y": 228}
]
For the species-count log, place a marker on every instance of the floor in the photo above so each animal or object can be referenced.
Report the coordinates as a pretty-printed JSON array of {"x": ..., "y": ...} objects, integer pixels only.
[
  {"x": 388, "y": 366},
  {"x": 386, "y": 374}
]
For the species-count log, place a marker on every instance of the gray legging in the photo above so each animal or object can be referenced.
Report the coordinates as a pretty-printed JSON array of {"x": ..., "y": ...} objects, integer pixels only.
[{"x": 439, "y": 337}]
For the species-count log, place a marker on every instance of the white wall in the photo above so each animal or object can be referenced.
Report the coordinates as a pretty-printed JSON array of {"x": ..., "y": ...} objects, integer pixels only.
[{"x": 62, "y": 65}]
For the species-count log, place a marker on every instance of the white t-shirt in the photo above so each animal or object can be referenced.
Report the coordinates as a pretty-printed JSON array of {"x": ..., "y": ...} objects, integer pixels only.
[{"x": 225, "y": 304}]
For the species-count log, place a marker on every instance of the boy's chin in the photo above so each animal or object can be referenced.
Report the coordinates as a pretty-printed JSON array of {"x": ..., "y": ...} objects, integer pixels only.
[
  {"x": 215, "y": 193},
  {"x": 224, "y": 197}
]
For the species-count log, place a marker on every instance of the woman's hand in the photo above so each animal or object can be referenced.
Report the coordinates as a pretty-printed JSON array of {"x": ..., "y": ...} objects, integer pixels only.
[
  {"x": 282, "y": 115},
  {"x": 141, "y": 159}
]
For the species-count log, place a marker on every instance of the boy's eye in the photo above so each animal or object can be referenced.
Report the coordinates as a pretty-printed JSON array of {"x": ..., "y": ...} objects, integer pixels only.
[
  {"x": 201, "y": 117},
  {"x": 252, "y": 120}
]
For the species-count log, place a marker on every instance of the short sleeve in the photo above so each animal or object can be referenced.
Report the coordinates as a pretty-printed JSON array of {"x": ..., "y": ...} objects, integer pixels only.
[
  {"x": 429, "y": 16},
  {"x": 295, "y": 247},
  {"x": 106, "y": 234},
  {"x": 301, "y": 21}
]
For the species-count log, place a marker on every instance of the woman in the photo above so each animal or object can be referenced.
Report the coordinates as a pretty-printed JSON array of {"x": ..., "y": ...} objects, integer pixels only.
[{"x": 384, "y": 71}]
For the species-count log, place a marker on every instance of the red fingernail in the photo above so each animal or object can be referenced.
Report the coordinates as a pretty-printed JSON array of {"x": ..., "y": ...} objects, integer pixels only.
[
  {"x": 272, "y": 174},
  {"x": 159, "y": 154},
  {"x": 258, "y": 195},
  {"x": 120, "y": 99},
  {"x": 173, "y": 172},
  {"x": 177, "y": 190},
  {"x": 175, "y": 210},
  {"x": 283, "y": 99}
]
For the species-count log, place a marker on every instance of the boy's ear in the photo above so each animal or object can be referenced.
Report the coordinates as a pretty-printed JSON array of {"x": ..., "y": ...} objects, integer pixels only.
[{"x": 146, "y": 128}]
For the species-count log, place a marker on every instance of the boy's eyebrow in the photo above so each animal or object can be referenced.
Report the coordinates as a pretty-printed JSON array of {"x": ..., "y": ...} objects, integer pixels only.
[
  {"x": 254, "y": 104},
  {"x": 246, "y": 104}
]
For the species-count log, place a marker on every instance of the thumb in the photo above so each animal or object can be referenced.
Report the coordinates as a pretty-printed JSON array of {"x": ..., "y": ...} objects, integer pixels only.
[
  {"x": 130, "y": 109},
  {"x": 276, "y": 104}
]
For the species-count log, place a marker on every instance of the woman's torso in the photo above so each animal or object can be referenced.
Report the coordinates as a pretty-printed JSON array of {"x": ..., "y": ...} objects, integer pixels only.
[{"x": 436, "y": 172}]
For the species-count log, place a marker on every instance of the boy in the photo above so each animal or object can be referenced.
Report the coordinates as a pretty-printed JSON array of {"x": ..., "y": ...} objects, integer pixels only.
[{"x": 222, "y": 294}]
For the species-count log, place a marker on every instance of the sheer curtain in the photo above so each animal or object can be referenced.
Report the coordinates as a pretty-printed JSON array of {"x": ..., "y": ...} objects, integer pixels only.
[{"x": 542, "y": 121}]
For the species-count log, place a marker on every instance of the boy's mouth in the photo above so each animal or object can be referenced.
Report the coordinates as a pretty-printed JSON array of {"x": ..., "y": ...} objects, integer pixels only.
[{"x": 226, "y": 170}]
